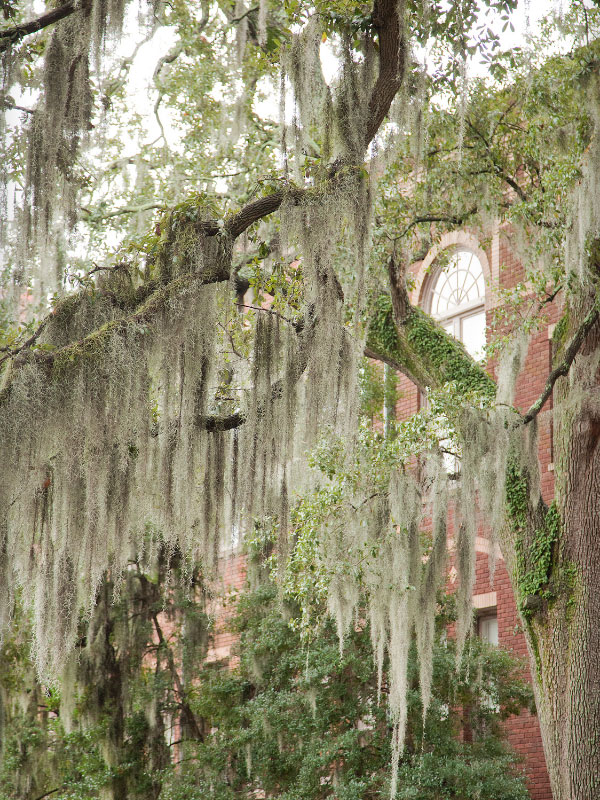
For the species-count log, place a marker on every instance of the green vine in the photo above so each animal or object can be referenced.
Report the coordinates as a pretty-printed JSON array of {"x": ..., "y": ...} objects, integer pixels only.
[
  {"x": 426, "y": 350},
  {"x": 534, "y": 554}
]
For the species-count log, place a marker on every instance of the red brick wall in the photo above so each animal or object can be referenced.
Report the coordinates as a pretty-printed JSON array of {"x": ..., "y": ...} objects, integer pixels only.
[
  {"x": 523, "y": 732},
  {"x": 232, "y": 579}
]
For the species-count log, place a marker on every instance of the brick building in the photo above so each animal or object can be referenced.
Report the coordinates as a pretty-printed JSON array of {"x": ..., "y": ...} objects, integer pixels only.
[{"x": 456, "y": 283}]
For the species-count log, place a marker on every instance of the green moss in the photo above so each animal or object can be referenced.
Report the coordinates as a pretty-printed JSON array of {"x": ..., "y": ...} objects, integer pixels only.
[
  {"x": 93, "y": 346},
  {"x": 426, "y": 351},
  {"x": 66, "y": 307},
  {"x": 559, "y": 335},
  {"x": 535, "y": 580}
]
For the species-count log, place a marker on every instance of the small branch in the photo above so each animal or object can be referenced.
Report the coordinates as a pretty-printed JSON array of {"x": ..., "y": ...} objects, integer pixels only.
[
  {"x": 269, "y": 311},
  {"x": 13, "y": 106},
  {"x": 503, "y": 116},
  {"x": 230, "y": 337},
  {"x": 11, "y": 35},
  {"x": 92, "y": 216},
  {"x": 58, "y": 788},
  {"x": 186, "y": 712},
  {"x": 171, "y": 56},
  {"x": 453, "y": 219},
  {"x": 496, "y": 167},
  {"x": 9, "y": 353},
  {"x": 563, "y": 368},
  {"x": 235, "y": 20}
]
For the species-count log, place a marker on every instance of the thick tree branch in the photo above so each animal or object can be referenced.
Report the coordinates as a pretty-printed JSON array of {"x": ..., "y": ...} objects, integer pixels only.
[
  {"x": 142, "y": 315},
  {"x": 391, "y": 362},
  {"x": 222, "y": 423},
  {"x": 563, "y": 368},
  {"x": 416, "y": 345},
  {"x": 387, "y": 22},
  {"x": 9, "y": 36},
  {"x": 249, "y": 214}
]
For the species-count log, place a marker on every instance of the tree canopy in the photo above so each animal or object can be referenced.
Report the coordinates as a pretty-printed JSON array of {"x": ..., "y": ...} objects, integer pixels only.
[{"x": 145, "y": 404}]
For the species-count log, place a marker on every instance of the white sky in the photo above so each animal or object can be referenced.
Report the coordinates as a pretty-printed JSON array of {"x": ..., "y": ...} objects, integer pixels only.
[{"x": 526, "y": 18}]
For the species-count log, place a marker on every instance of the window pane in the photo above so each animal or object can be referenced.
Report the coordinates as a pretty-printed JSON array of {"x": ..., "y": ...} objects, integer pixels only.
[
  {"x": 460, "y": 283},
  {"x": 488, "y": 629},
  {"x": 473, "y": 334}
]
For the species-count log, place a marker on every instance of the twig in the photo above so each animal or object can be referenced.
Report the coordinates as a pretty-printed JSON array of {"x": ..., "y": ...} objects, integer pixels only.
[
  {"x": 14, "y": 106},
  {"x": 230, "y": 337},
  {"x": 453, "y": 219},
  {"x": 10, "y": 353},
  {"x": 269, "y": 311}
]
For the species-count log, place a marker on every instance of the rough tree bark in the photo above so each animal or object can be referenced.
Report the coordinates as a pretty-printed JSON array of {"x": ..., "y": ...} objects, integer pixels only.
[{"x": 564, "y": 634}]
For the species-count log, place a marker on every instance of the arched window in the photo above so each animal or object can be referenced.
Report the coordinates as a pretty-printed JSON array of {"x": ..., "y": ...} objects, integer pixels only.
[{"x": 457, "y": 299}]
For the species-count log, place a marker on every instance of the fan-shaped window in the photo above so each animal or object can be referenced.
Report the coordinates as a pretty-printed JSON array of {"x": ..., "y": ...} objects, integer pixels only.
[{"x": 457, "y": 298}]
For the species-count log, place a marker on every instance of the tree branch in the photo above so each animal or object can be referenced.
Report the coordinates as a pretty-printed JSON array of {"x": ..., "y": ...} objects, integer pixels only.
[
  {"x": 453, "y": 219},
  {"x": 497, "y": 169},
  {"x": 235, "y": 20},
  {"x": 92, "y": 216},
  {"x": 386, "y": 20},
  {"x": 222, "y": 423},
  {"x": 14, "y": 106},
  {"x": 10, "y": 353},
  {"x": 249, "y": 214},
  {"x": 142, "y": 315},
  {"x": 9, "y": 36},
  {"x": 563, "y": 368},
  {"x": 186, "y": 711},
  {"x": 58, "y": 788},
  {"x": 395, "y": 365}
]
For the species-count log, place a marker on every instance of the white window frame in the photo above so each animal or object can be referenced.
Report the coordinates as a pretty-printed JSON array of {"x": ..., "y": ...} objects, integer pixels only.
[{"x": 452, "y": 319}]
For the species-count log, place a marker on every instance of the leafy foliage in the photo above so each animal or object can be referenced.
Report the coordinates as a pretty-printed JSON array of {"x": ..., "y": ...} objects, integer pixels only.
[{"x": 305, "y": 722}]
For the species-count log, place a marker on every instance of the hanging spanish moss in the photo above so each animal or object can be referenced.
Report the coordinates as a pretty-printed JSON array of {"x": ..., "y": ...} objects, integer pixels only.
[
  {"x": 57, "y": 129},
  {"x": 132, "y": 430}
]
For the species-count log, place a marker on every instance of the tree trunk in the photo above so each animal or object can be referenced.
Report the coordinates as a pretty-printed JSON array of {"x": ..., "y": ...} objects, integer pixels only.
[{"x": 564, "y": 634}]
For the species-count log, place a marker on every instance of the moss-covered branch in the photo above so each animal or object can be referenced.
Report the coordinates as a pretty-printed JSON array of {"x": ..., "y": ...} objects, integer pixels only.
[
  {"x": 422, "y": 350},
  {"x": 93, "y": 345},
  {"x": 227, "y": 422}
]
